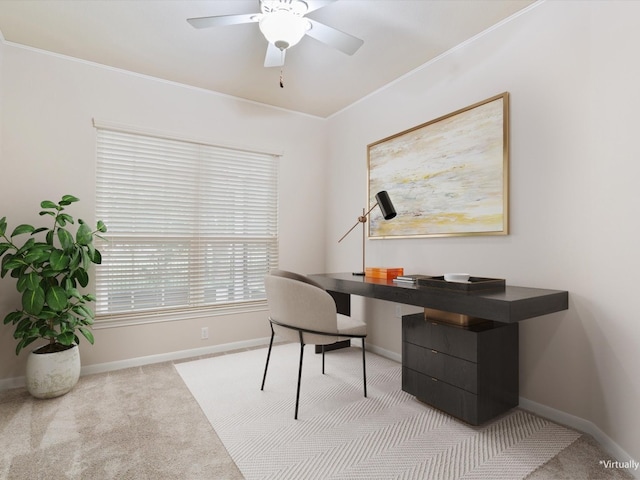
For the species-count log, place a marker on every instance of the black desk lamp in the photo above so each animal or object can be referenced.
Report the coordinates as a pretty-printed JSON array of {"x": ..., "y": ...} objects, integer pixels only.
[{"x": 388, "y": 212}]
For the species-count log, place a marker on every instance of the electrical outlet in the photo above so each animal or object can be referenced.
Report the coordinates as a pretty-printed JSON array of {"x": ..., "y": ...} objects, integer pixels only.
[
  {"x": 398, "y": 311},
  {"x": 204, "y": 333}
]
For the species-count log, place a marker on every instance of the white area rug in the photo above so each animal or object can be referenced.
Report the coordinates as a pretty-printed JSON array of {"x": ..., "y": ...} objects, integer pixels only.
[{"x": 340, "y": 434}]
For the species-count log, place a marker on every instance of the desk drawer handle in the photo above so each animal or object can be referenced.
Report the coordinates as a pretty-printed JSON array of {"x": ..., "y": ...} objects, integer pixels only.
[
  {"x": 434, "y": 351},
  {"x": 434, "y": 379}
]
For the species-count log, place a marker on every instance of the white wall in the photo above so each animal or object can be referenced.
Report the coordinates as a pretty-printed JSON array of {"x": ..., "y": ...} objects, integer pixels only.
[
  {"x": 572, "y": 71},
  {"x": 48, "y": 103}
]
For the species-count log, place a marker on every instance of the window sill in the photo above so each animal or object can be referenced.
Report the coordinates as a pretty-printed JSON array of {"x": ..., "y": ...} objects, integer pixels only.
[{"x": 173, "y": 315}]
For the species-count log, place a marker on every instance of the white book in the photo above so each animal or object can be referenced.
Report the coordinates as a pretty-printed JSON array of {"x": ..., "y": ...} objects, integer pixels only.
[{"x": 409, "y": 278}]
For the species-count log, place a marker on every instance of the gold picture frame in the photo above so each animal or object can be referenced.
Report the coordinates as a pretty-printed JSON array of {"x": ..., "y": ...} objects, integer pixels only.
[{"x": 446, "y": 177}]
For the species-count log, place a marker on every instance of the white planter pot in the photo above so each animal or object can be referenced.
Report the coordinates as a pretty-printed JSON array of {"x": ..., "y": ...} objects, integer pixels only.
[{"x": 53, "y": 374}]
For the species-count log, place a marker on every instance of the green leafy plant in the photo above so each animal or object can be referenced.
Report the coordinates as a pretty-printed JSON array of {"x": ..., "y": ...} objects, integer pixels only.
[{"x": 49, "y": 267}]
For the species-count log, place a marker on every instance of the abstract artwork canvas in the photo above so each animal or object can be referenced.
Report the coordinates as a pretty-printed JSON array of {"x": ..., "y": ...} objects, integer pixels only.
[{"x": 446, "y": 177}]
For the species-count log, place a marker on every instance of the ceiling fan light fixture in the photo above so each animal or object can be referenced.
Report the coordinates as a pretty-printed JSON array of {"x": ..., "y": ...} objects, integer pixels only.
[{"x": 283, "y": 28}]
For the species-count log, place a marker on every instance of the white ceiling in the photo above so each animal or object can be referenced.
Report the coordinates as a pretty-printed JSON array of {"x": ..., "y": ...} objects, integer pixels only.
[{"x": 152, "y": 37}]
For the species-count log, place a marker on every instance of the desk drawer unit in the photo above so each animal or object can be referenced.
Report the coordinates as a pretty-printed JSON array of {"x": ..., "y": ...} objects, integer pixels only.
[{"x": 470, "y": 372}]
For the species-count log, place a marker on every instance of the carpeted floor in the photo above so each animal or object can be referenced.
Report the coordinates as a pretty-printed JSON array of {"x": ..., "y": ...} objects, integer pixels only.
[
  {"x": 139, "y": 424},
  {"x": 143, "y": 423}
]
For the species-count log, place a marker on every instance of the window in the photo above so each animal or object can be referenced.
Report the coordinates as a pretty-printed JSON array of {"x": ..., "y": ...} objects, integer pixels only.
[{"x": 191, "y": 227}]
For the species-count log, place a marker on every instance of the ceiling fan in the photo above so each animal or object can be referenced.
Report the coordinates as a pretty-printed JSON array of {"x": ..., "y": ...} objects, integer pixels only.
[{"x": 283, "y": 24}]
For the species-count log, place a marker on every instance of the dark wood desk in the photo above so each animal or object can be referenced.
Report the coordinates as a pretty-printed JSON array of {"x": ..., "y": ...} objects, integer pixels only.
[
  {"x": 470, "y": 371},
  {"x": 511, "y": 305}
]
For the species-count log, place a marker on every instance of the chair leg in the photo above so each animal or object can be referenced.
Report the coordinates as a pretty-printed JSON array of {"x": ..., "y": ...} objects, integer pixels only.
[
  {"x": 323, "y": 359},
  {"x": 299, "y": 376},
  {"x": 264, "y": 377},
  {"x": 364, "y": 369}
]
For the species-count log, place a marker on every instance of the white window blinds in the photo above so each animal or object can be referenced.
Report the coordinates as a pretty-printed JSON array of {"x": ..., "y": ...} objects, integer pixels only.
[{"x": 190, "y": 226}]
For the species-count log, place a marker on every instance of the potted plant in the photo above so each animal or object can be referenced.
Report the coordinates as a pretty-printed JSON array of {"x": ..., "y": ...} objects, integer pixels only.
[{"x": 49, "y": 267}]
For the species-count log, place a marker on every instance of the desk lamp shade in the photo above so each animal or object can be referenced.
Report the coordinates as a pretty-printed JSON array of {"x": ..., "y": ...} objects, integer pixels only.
[{"x": 386, "y": 207}]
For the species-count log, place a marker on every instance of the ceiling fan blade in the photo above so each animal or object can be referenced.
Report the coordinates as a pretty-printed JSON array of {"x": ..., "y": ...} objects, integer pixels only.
[
  {"x": 316, "y": 4},
  {"x": 222, "y": 20},
  {"x": 274, "y": 56},
  {"x": 334, "y": 38}
]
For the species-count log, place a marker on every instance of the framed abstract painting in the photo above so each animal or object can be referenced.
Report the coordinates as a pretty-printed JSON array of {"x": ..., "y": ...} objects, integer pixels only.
[{"x": 446, "y": 177}]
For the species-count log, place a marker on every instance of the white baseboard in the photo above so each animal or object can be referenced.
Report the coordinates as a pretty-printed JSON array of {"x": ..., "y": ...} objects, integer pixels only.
[
  {"x": 582, "y": 425},
  {"x": 167, "y": 357},
  {"x": 396, "y": 357},
  {"x": 9, "y": 383},
  {"x": 17, "y": 382}
]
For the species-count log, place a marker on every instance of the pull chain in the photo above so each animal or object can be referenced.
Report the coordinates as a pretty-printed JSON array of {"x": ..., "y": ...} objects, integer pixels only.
[{"x": 282, "y": 50}]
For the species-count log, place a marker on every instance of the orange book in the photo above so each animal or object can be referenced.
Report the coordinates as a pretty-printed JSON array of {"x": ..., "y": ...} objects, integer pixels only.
[{"x": 386, "y": 273}]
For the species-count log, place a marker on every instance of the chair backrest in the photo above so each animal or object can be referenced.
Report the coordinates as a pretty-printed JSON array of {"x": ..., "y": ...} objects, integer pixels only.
[
  {"x": 294, "y": 276},
  {"x": 301, "y": 305}
]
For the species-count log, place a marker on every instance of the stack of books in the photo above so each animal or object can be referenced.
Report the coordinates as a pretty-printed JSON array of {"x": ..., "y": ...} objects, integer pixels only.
[{"x": 410, "y": 279}]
